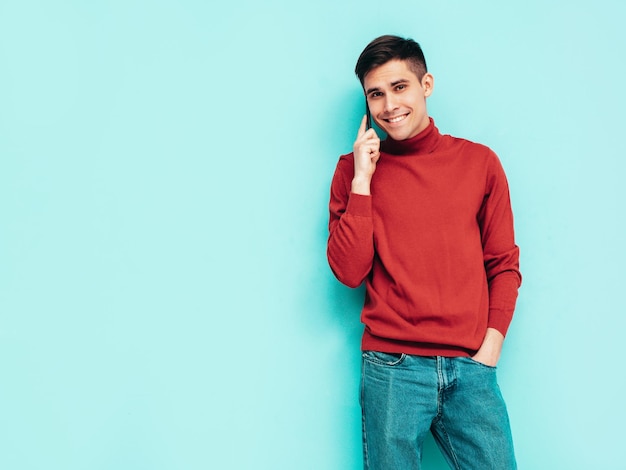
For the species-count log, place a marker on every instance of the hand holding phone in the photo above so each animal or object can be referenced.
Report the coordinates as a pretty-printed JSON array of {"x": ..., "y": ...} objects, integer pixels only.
[{"x": 366, "y": 154}]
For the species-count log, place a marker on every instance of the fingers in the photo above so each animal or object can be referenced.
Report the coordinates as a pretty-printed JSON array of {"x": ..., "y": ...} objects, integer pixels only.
[
  {"x": 371, "y": 143},
  {"x": 364, "y": 135},
  {"x": 364, "y": 130},
  {"x": 374, "y": 156},
  {"x": 366, "y": 150},
  {"x": 367, "y": 142},
  {"x": 362, "y": 127}
]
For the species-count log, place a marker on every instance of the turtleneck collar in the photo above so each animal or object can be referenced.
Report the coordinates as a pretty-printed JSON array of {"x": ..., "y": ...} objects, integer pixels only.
[{"x": 422, "y": 143}]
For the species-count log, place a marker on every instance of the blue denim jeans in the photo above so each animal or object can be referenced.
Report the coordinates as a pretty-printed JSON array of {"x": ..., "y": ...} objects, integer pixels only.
[{"x": 457, "y": 399}]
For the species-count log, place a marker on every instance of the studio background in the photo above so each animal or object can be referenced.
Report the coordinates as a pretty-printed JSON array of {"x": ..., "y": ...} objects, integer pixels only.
[{"x": 165, "y": 300}]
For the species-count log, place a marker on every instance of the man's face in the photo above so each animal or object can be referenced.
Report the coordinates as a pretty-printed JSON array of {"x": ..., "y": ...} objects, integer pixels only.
[{"x": 397, "y": 99}]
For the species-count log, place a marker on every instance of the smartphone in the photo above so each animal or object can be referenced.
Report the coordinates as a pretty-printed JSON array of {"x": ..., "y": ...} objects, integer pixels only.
[{"x": 368, "y": 120}]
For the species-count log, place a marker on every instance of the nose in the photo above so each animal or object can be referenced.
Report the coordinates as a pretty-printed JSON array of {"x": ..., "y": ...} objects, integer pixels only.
[{"x": 390, "y": 103}]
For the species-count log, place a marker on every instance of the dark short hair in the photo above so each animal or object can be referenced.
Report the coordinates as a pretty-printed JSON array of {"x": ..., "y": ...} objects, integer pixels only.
[{"x": 385, "y": 48}]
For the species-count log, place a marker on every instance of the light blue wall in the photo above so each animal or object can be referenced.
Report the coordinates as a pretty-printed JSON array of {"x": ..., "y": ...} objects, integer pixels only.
[{"x": 165, "y": 301}]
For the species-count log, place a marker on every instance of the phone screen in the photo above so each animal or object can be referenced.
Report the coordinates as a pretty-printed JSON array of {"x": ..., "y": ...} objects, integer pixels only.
[{"x": 368, "y": 121}]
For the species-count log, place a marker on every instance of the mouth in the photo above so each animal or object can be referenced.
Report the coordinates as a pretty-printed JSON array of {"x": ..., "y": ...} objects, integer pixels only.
[{"x": 396, "y": 119}]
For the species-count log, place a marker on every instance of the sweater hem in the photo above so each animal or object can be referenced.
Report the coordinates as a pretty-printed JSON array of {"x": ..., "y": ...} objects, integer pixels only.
[{"x": 371, "y": 342}]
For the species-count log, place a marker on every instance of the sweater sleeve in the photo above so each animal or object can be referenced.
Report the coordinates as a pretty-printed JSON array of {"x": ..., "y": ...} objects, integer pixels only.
[
  {"x": 350, "y": 247},
  {"x": 501, "y": 254}
]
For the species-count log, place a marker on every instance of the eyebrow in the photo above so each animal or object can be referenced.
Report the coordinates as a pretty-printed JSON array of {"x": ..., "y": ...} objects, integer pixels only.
[{"x": 393, "y": 84}]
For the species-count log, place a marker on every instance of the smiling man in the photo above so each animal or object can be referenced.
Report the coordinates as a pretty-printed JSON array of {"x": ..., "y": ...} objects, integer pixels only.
[{"x": 424, "y": 219}]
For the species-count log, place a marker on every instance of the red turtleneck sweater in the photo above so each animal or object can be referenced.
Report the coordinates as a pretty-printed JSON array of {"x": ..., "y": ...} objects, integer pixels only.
[{"x": 434, "y": 243}]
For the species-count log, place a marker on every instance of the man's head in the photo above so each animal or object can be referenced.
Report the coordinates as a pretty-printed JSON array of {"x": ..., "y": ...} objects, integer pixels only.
[
  {"x": 385, "y": 48},
  {"x": 396, "y": 83}
]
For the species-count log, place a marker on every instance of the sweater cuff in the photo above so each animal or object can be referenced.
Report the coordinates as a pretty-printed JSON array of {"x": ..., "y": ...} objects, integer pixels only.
[
  {"x": 359, "y": 205},
  {"x": 500, "y": 320},
  {"x": 502, "y": 296}
]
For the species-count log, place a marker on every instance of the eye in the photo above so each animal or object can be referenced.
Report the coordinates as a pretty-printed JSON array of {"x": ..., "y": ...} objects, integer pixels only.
[{"x": 400, "y": 87}]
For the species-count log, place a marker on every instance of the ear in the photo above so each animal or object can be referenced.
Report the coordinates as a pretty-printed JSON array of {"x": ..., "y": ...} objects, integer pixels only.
[{"x": 428, "y": 83}]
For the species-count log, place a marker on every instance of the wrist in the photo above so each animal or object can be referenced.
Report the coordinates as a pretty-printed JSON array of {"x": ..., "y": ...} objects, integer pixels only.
[
  {"x": 490, "y": 349},
  {"x": 361, "y": 185}
]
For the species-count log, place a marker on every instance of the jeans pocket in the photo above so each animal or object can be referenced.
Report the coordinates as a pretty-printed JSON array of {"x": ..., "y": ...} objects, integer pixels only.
[
  {"x": 383, "y": 358},
  {"x": 475, "y": 362}
]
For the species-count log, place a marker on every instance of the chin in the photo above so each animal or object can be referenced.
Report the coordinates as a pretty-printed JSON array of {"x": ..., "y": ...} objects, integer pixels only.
[{"x": 397, "y": 134}]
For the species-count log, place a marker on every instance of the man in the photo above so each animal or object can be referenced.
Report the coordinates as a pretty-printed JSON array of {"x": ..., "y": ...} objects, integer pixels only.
[{"x": 425, "y": 220}]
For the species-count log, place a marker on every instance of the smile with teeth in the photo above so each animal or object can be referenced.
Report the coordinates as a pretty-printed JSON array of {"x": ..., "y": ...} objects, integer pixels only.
[{"x": 396, "y": 119}]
